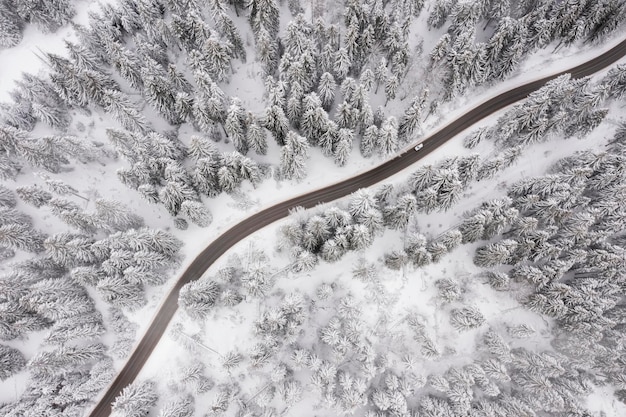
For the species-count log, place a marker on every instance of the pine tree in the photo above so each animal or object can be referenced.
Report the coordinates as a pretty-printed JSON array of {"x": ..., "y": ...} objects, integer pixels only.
[
  {"x": 276, "y": 122},
  {"x": 344, "y": 146},
  {"x": 48, "y": 16},
  {"x": 7, "y": 198},
  {"x": 293, "y": 157},
  {"x": 21, "y": 237},
  {"x": 10, "y": 26},
  {"x": 198, "y": 298},
  {"x": 116, "y": 216},
  {"x": 197, "y": 212},
  {"x": 391, "y": 87},
  {"x": 439, "y": 13},
  {"x": 326, "y": 90},
  {"x": 342, "y": 64},
  {"x": 388, "y": 136},
  {"x": 119, "y": 106},
  {"x": 412, "y": 116},
  {"x": 369, "y": 141},
  {"x": 218, "y": 56},
  {"x": 315, "y": 121},
  {"x": 78, "y": 327},
  {"x": 267, "y": 50},
  {"x": 65, "y": 358},
  {"x": 135, "y": 400},
  {"x": 12, "y": 361},
  {"x": 181, "y": 407},
  {"x": 256, "y": 138},
  {"x": 174, "y": 193},
  {"x": 466, "y": 318},
  {"x": 264, "y": 14},
  {"x": 235, "y": 126}
]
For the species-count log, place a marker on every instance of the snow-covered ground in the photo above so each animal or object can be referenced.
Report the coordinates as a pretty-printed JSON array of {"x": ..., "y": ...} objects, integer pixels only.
[{"x": 227, "y": 211}]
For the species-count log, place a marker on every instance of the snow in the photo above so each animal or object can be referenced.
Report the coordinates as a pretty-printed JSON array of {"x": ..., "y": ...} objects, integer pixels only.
[
  {"x": 414, "y": 288},
  {"x": 27, "y": 56}
]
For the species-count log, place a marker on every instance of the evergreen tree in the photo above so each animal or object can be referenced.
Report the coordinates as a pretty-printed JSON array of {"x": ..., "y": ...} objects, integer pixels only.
[
  {"x": 276, "y": 122},
  {"x": 256, "y": 138},
  {"x": 466, "y": 318},
  {"x": 135, "y": 400},
  {"x": 369, "y": 141},
  {"x": 7, "y": 198},
  {"x": 174, "y": 193},
  {"x": 235, "y": 126},
  {"x": 116, "y": 216},
  {"x": 12, "y": 361},
  {"x": 198, "y": 298},
  {"x": 264, "y": 14},
  {"x": 326, "y": 90},
  {"x": 412, "y": 116},
  {"x": 342, "y": 64},
  {"x": 49, "y": 16},
  {"x": 344, "y": 146},
  {"x": 217, "y": 56},
  {"x": 391, "y": 87},
  {"x": 388, "y": 136},
  {"x": 293, "y": 157},
  {"x": 65, "y": 358},
  {"x": 267, "y": 50},
  {"x": 21, "y": 237},
  {"x": 315, "y": 121},
  {"x": 197, "y": 212},
  {"x": 119, "y": 106},
  {"x": 10, "y": 26},
  {"x": 181, "y": 407}
]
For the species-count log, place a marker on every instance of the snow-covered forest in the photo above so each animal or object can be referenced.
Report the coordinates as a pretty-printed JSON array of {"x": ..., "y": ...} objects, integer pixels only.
[{"x": 486, "y": 280}]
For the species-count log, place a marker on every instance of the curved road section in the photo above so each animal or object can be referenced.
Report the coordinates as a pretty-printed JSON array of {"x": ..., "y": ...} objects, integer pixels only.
[{"x": 263, "y": 218}]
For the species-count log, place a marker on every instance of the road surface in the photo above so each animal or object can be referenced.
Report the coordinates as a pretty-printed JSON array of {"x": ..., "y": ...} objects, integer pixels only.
[{"x": 263, "y": 218}]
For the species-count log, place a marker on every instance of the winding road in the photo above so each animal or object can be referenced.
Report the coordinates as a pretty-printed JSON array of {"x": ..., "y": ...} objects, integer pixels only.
[{"x": 263, "y": 218}]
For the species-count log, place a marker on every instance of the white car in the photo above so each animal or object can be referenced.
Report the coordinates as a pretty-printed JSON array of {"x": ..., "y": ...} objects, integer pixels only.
[{"x": 420, "y": 146}]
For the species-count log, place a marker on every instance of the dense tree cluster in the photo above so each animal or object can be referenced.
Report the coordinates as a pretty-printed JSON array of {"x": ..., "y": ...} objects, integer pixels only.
[
  {"x": 48, "y": 16},
  {"x": 249, "y": 277},
  {"x": 465, "y": 60},
  {"x": 562, "y": 234}
]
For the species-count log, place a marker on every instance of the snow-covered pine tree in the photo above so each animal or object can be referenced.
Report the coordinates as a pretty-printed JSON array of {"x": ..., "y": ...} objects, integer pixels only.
[
  {"x": 276, "y": 122},
  {"x": 343, "y": 147},
  {"x": 411, "y": 120},
  {"x": 12, "y": 361},
  {"x": 135, "y": 400},
  {"x": 199, "y": 297},
  {"x": 10, "y": 26},
  {"x": 369, "y": 141},
  {"x": 235, "y": 126},
  {"x": 256, "y": 137},
  {"x": 197, "y": 212},
  {"x": 293, "y": 157},
  {"x": 326, "y": 90},
  {"x": 388, "y": 136}
]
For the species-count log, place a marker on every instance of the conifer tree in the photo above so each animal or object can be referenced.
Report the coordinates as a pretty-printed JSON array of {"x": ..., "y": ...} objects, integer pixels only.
[
  {"x": 235, "y": 126},
  {"x": 256, "y": 138},
  {"x": 135, "y": 400},
  {"x": 411, "y": 119},
  {"x": 369, "y": 141},
  {"x": 326, "y": 90},
  {"x": 344, "y": 146},
  {"x": 10, "y": 26},
  {"x": 196, "y": 212},
  {"x": 276, "y": 122},
  {"x": 12, "y": 361},
  {"x": 388, "y": 136},
  {"x": 293, "y": 157}
]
